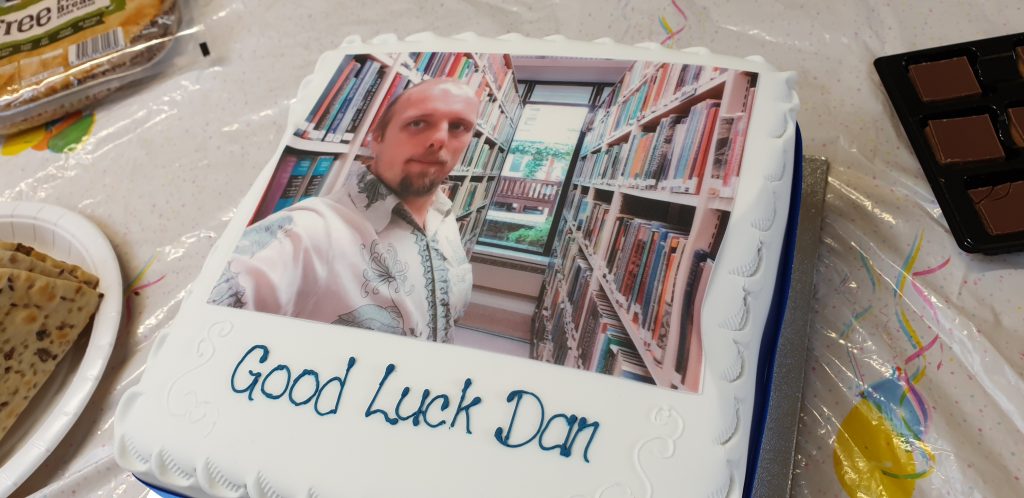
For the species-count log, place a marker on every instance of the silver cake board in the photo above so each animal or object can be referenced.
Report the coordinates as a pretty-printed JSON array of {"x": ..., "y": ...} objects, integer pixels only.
[{"x": 775, "y": 460}]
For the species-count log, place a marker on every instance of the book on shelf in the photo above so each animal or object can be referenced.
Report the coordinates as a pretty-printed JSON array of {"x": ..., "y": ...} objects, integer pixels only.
[
  {"x": 470, "y": 195},
  {"x": 336, "y": 104},
  {"x": 674, "y": 155},
  {"x": 450, "y": 189},
  {"x": 627, "y": 363},
  {"x": 293, "y": 187},
  {"x": 318, "y": 174},
  {"x": 469, "y": 155},
  {"x": 688, "y": 167},
  {"x": 720, "y": 157},
  {"x": 691, "y": 377},
  {"x": 276, "y": 186},
  {"x": 659, "y": 322},
  {"x": 344, "y": 101},
  {"x": 732, "y": 171},
  {"x": 297, "y": 177},
  {"x": 337, "y": 81},
  {"x": 469, "y": 229},
  {"x": 343, "y": 129},
  {"x": 691, "y": 298},
  {"x": 594, "y": 338}
]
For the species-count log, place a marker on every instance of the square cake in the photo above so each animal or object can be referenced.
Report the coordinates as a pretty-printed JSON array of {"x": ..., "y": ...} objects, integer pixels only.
[{"x": 339, "y": 340}]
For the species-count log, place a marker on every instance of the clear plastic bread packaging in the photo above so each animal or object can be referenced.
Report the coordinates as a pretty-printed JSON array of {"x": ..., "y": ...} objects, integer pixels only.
[{"x": 57, "y": 56}]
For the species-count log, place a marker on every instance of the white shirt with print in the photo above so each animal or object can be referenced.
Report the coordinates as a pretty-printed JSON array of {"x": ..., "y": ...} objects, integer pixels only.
[{"x": 354, "y": 257}]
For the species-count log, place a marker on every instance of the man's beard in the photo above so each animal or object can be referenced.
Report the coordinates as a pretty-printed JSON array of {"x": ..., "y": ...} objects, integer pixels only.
[{"x": 420, "y": 185}]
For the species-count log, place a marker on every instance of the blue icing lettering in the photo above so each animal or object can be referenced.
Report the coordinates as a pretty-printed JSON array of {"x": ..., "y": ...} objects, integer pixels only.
[
  {"x": 340, "y": 381},
  {"x": 569, "y": 429},
  {"x": 464, "y": 408},
  {"x": 581, "y": 425},
  {"x": 312, "y": 394},
  {"x": 426, "y": 411},
  {"x": 278, "y": 381},
  {"x": 264, "y": 353},
  {"x": 370, "y": 410},
  {"x": 429, "y": 410},
  {"x": 287, "y": 382},
  {"x": 416, "y": 415},
  {"x": 504, "y": 435}
]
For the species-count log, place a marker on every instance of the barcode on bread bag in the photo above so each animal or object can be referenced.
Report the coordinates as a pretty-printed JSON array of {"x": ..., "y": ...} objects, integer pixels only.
[{"x": 95, "y": 47}]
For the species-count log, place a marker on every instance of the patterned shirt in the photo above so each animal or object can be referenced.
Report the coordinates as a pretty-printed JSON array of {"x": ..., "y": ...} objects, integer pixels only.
[{"x": 354, "y": 257}]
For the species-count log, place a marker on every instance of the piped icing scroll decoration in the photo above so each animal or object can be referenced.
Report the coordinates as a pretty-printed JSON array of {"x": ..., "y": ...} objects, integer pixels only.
[
  {"x": 212, "y": 479},
  {"x": 170, "y": 471},
  {"x": 750, "y": 267},
  {"x": 766, "y": 220},
  {"x": 185, "y": 403},
  {"x": 730, "y": 423},
  {"x": 663, "y": 446},
  {"x": 127, "y": 448},
  {"x": 738, "y": 320},
  {"x": 735, "y": 369},
  {"x": 778, "y": 170},
  {"x": 261, "y": 488}
]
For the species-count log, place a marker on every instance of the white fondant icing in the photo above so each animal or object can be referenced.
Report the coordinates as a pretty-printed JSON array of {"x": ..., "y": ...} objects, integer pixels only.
[
  {"x": 738, "y": 319},
  {"x": 751, "y": 266},
  {"x": 732, "y": 372},
  {"x": 212, "y": 479},
  {"x": 766, "y": 219},
  {"x": 730, "y": 422},
  {"x": 277, "y": 449},
  {"x": 170, "y": 472}
]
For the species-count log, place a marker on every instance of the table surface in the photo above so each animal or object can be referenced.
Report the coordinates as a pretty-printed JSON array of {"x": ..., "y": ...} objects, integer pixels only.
[{"x": 167, "y": 162}]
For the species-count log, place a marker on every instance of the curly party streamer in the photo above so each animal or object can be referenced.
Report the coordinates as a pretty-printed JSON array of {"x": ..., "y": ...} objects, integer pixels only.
[{"x": 880, "y": 447}]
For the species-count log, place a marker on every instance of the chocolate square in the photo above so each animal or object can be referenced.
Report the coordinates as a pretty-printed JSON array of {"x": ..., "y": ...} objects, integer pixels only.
[
  {"x": 964, "y": 140},
  {"x": 944, "y": 80},
  {"x": 1020, "y": 60},
  {"x": 1001, "y": 207},
  {"x": 1016, "y": 118}
]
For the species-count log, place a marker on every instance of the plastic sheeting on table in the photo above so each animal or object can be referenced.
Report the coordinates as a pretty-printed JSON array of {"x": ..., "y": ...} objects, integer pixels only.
[{"x": 913, "y": 385}]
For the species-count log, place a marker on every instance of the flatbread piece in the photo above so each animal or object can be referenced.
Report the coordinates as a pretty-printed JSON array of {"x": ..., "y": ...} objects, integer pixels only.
[
  {"x": 40, "y": 318},
  {"x": 57, "y": 268}
]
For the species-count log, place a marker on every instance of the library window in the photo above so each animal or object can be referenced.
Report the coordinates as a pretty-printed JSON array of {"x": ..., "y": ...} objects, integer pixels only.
[{"x": 527, "y": 201}]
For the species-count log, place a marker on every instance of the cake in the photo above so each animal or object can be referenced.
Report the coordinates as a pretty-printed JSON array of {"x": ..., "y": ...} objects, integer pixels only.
[{"x": 280, "y": 376}]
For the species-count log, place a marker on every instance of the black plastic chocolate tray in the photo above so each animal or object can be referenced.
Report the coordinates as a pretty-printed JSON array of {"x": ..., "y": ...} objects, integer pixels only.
[{"x": 998, "y": 66}]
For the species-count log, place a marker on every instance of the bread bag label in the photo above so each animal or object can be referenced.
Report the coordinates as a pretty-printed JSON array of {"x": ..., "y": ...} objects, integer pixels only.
[{"x": 33, "y": 24}]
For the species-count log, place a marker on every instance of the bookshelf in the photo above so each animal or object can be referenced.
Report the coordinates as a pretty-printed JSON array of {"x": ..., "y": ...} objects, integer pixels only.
[
  {"x": 645, "y": 212},
  {"x": 336, "y": 130}
]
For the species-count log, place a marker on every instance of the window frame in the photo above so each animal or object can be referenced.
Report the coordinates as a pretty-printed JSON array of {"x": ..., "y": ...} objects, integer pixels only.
[{"x": 596, "y": 90}]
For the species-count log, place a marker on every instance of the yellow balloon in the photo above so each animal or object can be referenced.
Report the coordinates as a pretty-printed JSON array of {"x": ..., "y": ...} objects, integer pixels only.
[
  {"x": 21, "y": 141},
  {"x": 866, "y": 446}
]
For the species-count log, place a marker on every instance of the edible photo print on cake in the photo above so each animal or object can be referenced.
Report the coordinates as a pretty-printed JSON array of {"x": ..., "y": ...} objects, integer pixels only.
[{"x": 563, "y": 209}]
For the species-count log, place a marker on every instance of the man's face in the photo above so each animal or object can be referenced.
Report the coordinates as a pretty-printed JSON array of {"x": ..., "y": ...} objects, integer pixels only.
[{"x": 430, "y": 129}]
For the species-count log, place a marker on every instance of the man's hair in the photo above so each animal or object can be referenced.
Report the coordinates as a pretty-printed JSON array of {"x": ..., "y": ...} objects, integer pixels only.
[{"x": 389, "y": 110}]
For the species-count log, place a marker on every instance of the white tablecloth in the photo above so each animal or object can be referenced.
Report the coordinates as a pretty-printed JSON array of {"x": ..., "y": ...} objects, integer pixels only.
[{"x": 167, "y": 163}]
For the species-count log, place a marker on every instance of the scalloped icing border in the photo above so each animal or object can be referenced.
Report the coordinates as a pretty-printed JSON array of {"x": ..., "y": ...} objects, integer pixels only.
[
  {"x": 745, "y": 279},
  {"x": 730, "y": 378}
]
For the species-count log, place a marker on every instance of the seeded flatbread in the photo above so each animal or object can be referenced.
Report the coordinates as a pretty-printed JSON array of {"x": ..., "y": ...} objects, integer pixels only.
[
  {"x": 57, "y": 267},
  {"x": 14, "y": 260},
  {"x": 40, "y": 318}
]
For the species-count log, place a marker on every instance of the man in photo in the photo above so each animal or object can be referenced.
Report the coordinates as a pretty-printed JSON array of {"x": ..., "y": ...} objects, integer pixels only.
[{"x": 382, "y": 251}]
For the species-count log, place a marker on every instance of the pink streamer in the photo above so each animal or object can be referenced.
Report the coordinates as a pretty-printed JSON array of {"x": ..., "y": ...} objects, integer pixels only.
[
  {"x": 924, "y": 349},
  {"x": 929, "y": 271}
]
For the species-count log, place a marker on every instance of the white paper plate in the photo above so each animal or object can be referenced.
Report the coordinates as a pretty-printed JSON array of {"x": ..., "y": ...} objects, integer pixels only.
[{"x": 70, "y": 237}]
